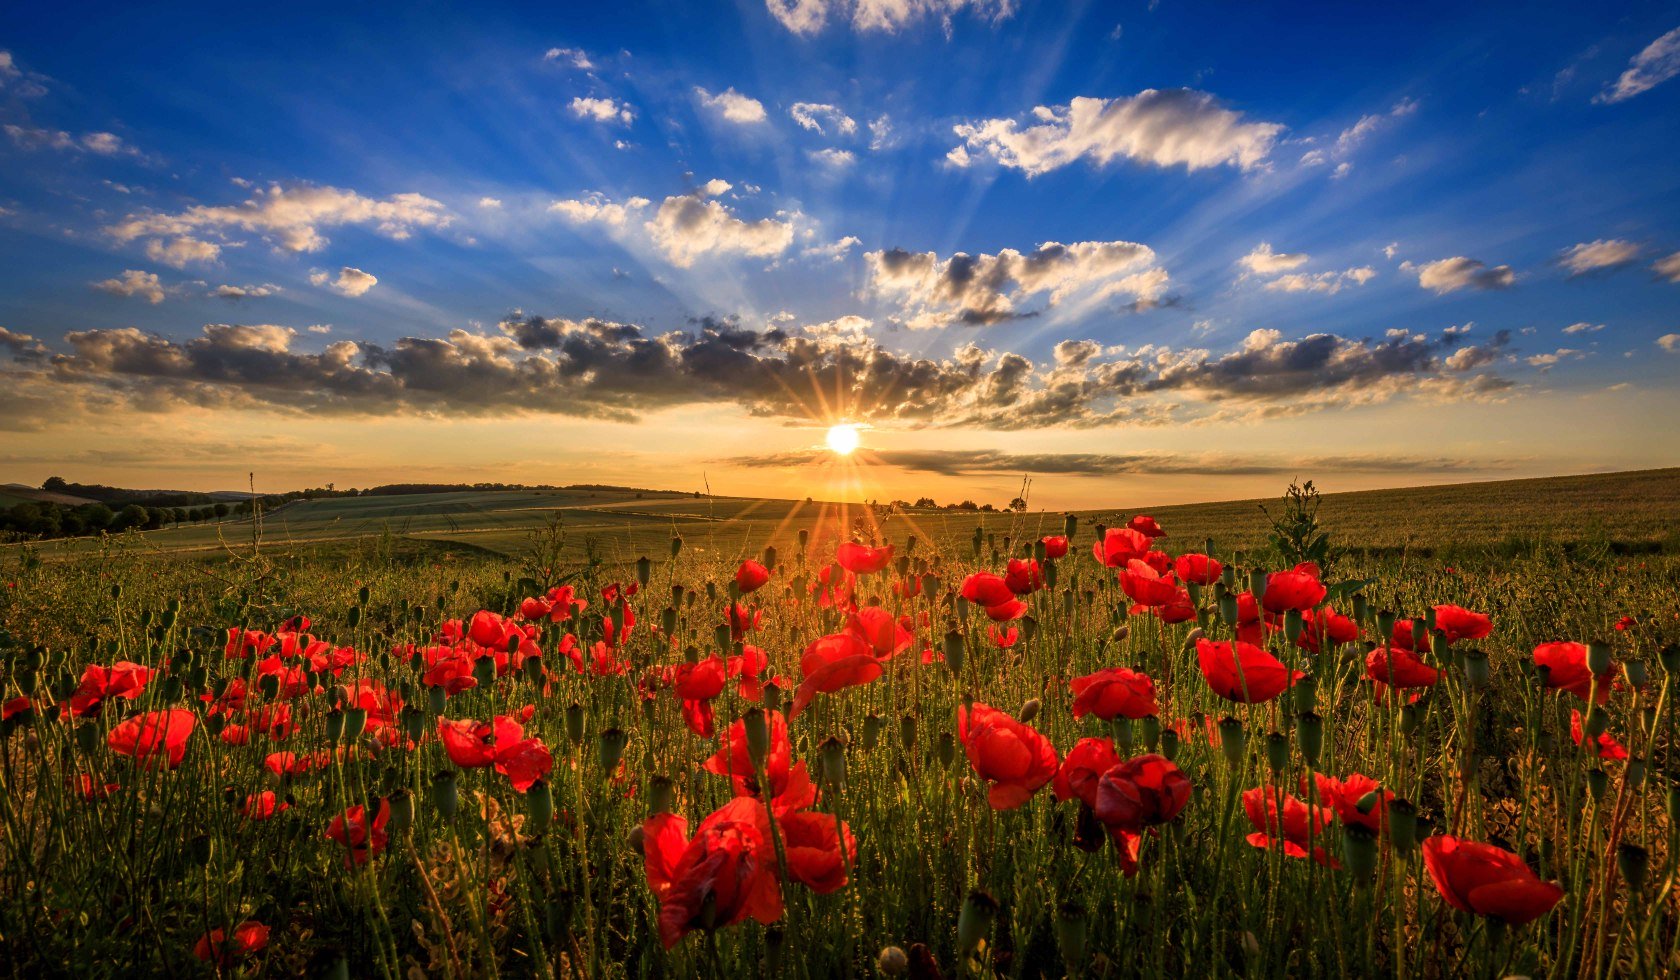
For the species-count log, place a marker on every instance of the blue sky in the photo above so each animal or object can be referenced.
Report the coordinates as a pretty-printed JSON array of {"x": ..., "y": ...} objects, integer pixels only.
[{"x": 1444, "y": 226}]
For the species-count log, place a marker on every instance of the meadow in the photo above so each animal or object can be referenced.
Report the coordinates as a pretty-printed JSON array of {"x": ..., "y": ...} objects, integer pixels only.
[{"x": 1413, "y": 733}]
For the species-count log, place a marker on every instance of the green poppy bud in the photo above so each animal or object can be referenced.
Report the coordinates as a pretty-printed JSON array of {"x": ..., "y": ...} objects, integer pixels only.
[
  {"x": 574, "y": 723},
  {"x": 1636, "y": 674},
  {"x": 1070, "y": 526},
  {"x": 1150, "y": 726},
  {"x": 1633, "y": 861},
  {"x": 1598, "y": 783},
  {"x": 1385, "y": 624},
  {"x": 1477, "y": 671},
  {"x": 1410, "y": 717},
  {"x": 1635, "y": 772},
  {"x": 1169, "y": 744},
  {"x": 1669, "y": 656},
  {"x": 1598, "y": 656},
  {"x": 1361, "y": 607},
  {"x": 1277, "y": 751},
  {"x": 1305, "y": 692},
  {"x": 676, "y": 545},
  {"x": 947, "y": 749},
  {"x": 871, "y": 731},
  {"x": 539, "y": 807},
  {"x": 832, "y": 755},
  {"x": 1072, "y": 935},
  {"x": 974, "y": 922},
  {"x": 436, "y": 698},
  {"x": 907, "y": 732},
  {"x": 954, "y": 652},
  {"x": 355, "y": 721},
  {"x": 1122, "y": 728},
  {"x": 611, "y": 748},
  {"x": 1309, "y": 732},
  {"x": 758, "y": 735},
  {"x": 402, "y": 810},
  {"x": 445, "y": 794},
  {"x": 1402, "y": 826},
  {"x": 1292, "y": 625},
  {"x": 1232, "y": 740},
  {"x": 1359, "y": 850},
  {"x": 1029, "y": 710}
]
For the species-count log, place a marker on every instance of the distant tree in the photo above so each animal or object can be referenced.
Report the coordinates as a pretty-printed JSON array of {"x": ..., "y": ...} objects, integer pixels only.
[
  {"x": 925, "y": 502},
  {"x": 54, "y": 484},
  {"x": 96, "y": 517},
  {"x": 968, "y": 505},
  {"x": 1018, "y": 505},
  {"x": 133, "y": 515},
  {"x": 220, "y": 510},
  {"x": 157, "y": 517},
  {"x": 988, "y": 508}
]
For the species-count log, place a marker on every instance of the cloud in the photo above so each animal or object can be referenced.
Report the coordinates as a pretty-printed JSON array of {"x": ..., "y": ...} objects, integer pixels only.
[
  {"x": 599, "y": 209},
  {"x": 350, "y": 282},
  {"x": 1321, "y": 282},
  {"x": 134, "y": 282},
  {"x": 822, "y": 118},
  {"x": 490, "y": 203},
  {"x": 732, "y": 106},
  {"x": 605, "y": 110},
  {"x": 833, "y": 251},
  {"x": 574, "y": 57},
  {"x": 246, "y": 292},
  {"x": 969, "y": 462},
  {"x": 1265, "y": 262},
  {"x": 809, "y": 17},
  {"x": 1601, "y": 254},
  {"x": 881, "y": 133},
  {"x": 289, "y": 216},
  {"x": 685, "y": 227},
  {"x": 1546, "y": 362},
  {"x": 978, "y": 290},
  {"x": 1350, "y": 138},
  {"x": 1583, "y": 327},
  {"x": 1657, "y": 63},
  {"x": 1446, "y": 275},
  {"x": 833, "y": 159},
  {"x": 597, "y": 368},
  {"x": 1165, "y": 128},
  {"x": 1669, "y": 342},
  {"x": 99, "y": 144},
  {"x": 182, "y": 251}
]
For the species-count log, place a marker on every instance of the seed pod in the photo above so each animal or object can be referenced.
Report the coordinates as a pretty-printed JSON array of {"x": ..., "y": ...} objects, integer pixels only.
[
  {"x": 661, "y": 795},
  {"x": 1385, "y": 624},
  {"x": 1305, "y": 692},
  {"x": 1232, "y": 740},
  {"x": 1633, "y": 861},
  {"x": 435, "y": 699},
  {"x": 1359, "y": 850},
  {"x": 446, "y": 794},
  {"x": 1072, "y": 935},
  {"x": 1070, "y": 526},
  {"x": 947, "y": 749},
  {"x": 1410, "y": 717},
  {"x": 574, "y": 723},
  {"x": 1669, "y": 656},
  {"x": 1277, "y": 751},
  {"x": 484, "y": 670},
  {"x": 1151, "y": 728},
  {"x": 1309, "y": 732},
  {"x": 1122, "y": 728},
  {"x": 758, "y": 735},
  {"x": 539, "y": 807},
  {"x": 1402, "y": 826},
  {"x": 1598, "y": 783},
  {"x": 1361, "y": 608},
  {"x": 974, "y": 922},
  {"x": 1029, "y": 710},
  {"x": 772, "y": 696},
  {"x": 402, "y": 810},
  {"x": 907, "y": 732},
  {"x": 954, "y": 652},
  {"x": 1293, "y": 624},
  {"x": 611, "y": 748},
  {"x": 1635, "y": 772},
  {"x": 1596, "y": 722},
  {"x": 1477, "y": 671},
  {"x": 832, "y": 755},
  {"x": 1257, "y": 583},
  {"x": 1636, "y": 674},
  {"x": 871, "y": 731},
  {"x": 892, "y": 962},
  {"x": 676, "y": 545}
]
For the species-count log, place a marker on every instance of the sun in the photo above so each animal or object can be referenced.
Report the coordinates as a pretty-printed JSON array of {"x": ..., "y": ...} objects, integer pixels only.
[{"x": 842, "y": 439}]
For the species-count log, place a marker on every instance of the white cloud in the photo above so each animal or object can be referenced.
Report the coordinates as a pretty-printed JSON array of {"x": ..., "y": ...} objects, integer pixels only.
[
  {"x": 1659, "y": 62},
  {"x": 1164, "y": 128},
  {"x": 246, "y": 292},
  {"x": 489, "y": 203},
  {"x": 1391, "y": 250},
  {"x": 820, "y": 117},
  {"x": 832, "y": 158},
  {"x": 1321, "y": 282},
  {"x": 1446, "y": 275},
  {"x": 685, "y": 227},
  {"x": 292, "y": 217},
  {"x": 134, "y": 282},
  {"x": 1669, "y": 342},
  {"x": 575, "y": 57},
  {"x": 182, "y": 250},
  {"x": 606, "y": 110},
  {"x": 100, "y": 144},
  {"x": 732, "y": 106},
  {"x": 1583, "y": 327},
  {"x": 834, "y": 251},
  {"x": 1359, "y": 132},
  {"x": 881, "y": 133},
  {"x": 808, "y": 17},
  {"x": 319, "y": 328},
  {"x": 1546, "y": 361},
  {"x": 350, "y": 282},
  {"x": 1342, "y": 170},
  {"x": 1668, "y": 267},
  {"x": 1601, "y": 254},
  {"x": 599, "y": 209},
  {"x": 1265, "y": 262},
  {"x": 984, "y": 289}
]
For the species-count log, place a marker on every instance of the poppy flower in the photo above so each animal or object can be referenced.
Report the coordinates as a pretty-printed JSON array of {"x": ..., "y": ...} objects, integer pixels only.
[
  {"x": 151, "y": 733},
  {"x": 700, "y": 717},
  {"x": 1603, "y": 747},
  {"x": 1566, "y": 663},
  {"x": 1120, "y": 545},
  {"x": 217, "y": 947},
  {"x": 1321, "y": 627},
  {"x": 1344, "y": 795},
  {"x": 1141, "y": 792},
  {"x": 1083, "y": 768},
  {"x": 743, "y": 619},
  {"x": 1009, "y": 754},
  {"x": 524, "y": 762},
  {"x": 262, "y": 806},
  {"x": 1024, "y": 576},
  {"x": 886, "y": 636},
  {"x": 833, "y": 663},
  {"x": 1003, "y": 639},
  {"x": 501, "y": 743},
  {"x": 1145, "y": 586},
  {"x": 1055, "y": 546},
  {"x": 1486, "y": 880},
  {"x": 1005, "y": 611},
  {"x": 1624, "y": 624},
  {"x": 1298, "y": 827},
  {"x": 1252, "y": 626},
  {"x": 701, "y": 681},
  {"x": 987, "y": 589},
  {"x": 1295, "y": 589},
  {"x": 246, "y": 643},
  {"x": 16, "y": 706},
  {"x": 1458, "y": 623},
  {"x": 812, "y": 842},
  {"x": 1242, "y": 671},
  {"x": 1116, "y": 692},
  {"x": 360, "y": 837},
  {"x": 725, "y": 874},
  {"x": 87, "y": 789},
  {"x": 751, "y": 576},
  {"x": 1144, "y": 524},
  {"x": 120, "y": 680},
  {"x": 1198, "y": 569},
  {"x": 861, "y": 559},
  {"x": 1399, "y": 667},
  {"x": 789, "y": 782},
  {"x": 1410, "y": 634}
]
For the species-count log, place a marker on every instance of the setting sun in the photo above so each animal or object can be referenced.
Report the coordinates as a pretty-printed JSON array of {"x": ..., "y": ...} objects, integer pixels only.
[{"x": 843, "y": 438}]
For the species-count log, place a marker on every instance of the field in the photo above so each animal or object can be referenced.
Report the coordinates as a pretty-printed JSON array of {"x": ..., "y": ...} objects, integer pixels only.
[{"x": 381, "y": 737}]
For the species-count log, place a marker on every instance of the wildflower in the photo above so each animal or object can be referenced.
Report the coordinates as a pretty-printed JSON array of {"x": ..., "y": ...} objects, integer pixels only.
[
  {"x": 217, "y": 947},
  {"x": 360, "y": 837},
  {"x": 725, "y": 874},
  {"x": 1147, "y": 587},
  {"x": 1486, "y": 880},
  {"x": 1242, "y": 671},
  {"x": 1116, "y": 692},
  {"x": 789, "y": 782},
  {"x": 150, "y": 733},
  {"x": 1120, "y": 545},
  {"x": 121, "y": 680},
  {"x": 751, "y": 576},
  {"x": 1083, "y": 768},
  {"x": 1298, "y": 588},
  {"x": 1198, "y": 569},
  {"x": 1567, "y": 670},
  {"x": 1144, "y": 524},
  {"x": 862, "y": 559},
  {"x": 1297, "y": 827},
  {"x": 1399, "y": 667},
  {"x": 833, "y": 663},
  {"x": 1458, "y": 623},
  {"x": 1013, "y": 757},
  {"x": 1604, "y": 746},
  {"x": 1055, "y": 546},
  {"x": 1140, "y": 793}
]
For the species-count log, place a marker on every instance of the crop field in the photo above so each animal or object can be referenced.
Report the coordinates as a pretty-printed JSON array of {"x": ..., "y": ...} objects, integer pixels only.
[{"x": 1409, "y": 733}]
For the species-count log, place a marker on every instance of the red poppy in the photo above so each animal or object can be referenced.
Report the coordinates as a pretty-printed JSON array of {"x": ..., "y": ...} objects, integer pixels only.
[
  {"x": 1144, "y": 524},
  {"x": 1567, "y": 670},
  {"x": 789, "y": 782},
  {"x": 246, "y": 643},
  {"x": 1083, "y": 768},
  {"x": 1603, "y": 747},
  {"x": 701, "y": 681},
  {"x": 1399, "y": 667},
  {"x": 1344, "y": 795},
  {"x": 1411, "y": 634},
  {"x": 361, "y": 838},
  {"x": 1242, "y": 671},
  {"x": 1487, "y": 880},
  {"x": 1024, "y": 576},
  {"x": 1116, "y": 692},
  {"x": 743, "y": 619},
  {"x": 811, "y": 842},
  {"x": 727, "y": 873},
  {"x": 151, "y": 733},
  {"x": 475, "y": 744},
  {"x": 1120, "y": 545},
  {"x": 1252, "y": 626},
  {"x": 215, "y": 946},
  {"x": 1141, "y": 792},
  {"x": 262, "y": 806},
  {"x": 1009, "y": 754},
  {"x": 121, "y": 680},
  {"x": 833, "y": 663},
  {"x": 1295, "y": 589},
  {"x": 751, "y": 576},
  {"x": 1055, "y": 546},
  {"x": 987, "y": 589},
  {"x": 1147, "y": 587},
  {"x": 1001, "y": 638},
  {"x": 1301, "y": 826},
  {"x": 1625, "y": 623},
  {"x": 877, "y": 627},
  {"x": 1005, "y": 611},
  {"x": 1321, "y": 627},
  {"x": 1458, "y": 623},
  {"x": 1198, "y": 569},
  {"x": 861, "y": 559},
  {"x": 16, "y": 706}
]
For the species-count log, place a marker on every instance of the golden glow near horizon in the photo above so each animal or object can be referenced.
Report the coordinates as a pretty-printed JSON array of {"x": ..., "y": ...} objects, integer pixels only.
[{"x": 843, "y": 438}]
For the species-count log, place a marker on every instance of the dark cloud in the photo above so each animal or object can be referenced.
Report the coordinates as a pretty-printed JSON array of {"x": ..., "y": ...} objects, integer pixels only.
[{"x": 951, "y": 462}]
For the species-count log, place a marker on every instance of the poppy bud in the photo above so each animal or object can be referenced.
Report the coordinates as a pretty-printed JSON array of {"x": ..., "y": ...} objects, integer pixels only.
[
  {"x": 1598, "y": 782},
  {"x": 1477, "y": 670},
  {"x": 1634, "y": 773},
  {"x": 1632, "y": 861},
  {"x": 1410, "y": 717},
  {"x": 1257, "y": 584},
  {"x": 1232, "y": 739},
  {"x": 1067, "y": 602},
  {"x": 772, "y": 696},
  {"x": 1169, "y": 744},
  {"x": 947, "y": 749},
  {"x": 757, "y": 730},
  {"x": 87, "y": 737},
  {"x": 1195, "y": 636},
  {"x": 611, "y": 747},
  {"x": 1277, "y": 751},
  {"x": 907, "y": 732},
  {"x": 668, "y": 621},
  {"x": 1309, "y": 732},
  {"x": 1385, "y": 623},
  {"x": 435, "y": 697},
  {"x": 1030, "y": 710},
  {"x": 1122, "y": 727},
  {"x": 1070, "y": 526},
  {"x": 1305, "y": 693},
  {"x": 1071, "y": 934},
  {"x": 974, "y": 922},
  {"x": 354, "y": 617},
  {"x": 574, "y": 723},
  {"x": 1598, "y": 656},
  {"x": 1402, "y": 825},
  {"x": 892, "y": 962},
  {"x": 445, "y": 795},
  {"x": 636, "y": 839},
  {"x": 355, "y": 721},
  {"x": 930, "y": 584},
  {"x": 1636, "y": 674},
  {"x": 871, "y": 731},
  {"x": 1292, "y": 625},
  {"x": 1120, "y": 633},
  {"x": 1151, "y": 726},
  {"x": 1361, "y": 607},
  {"x": 402, "y": 810},
  {"x": 1359, "y": 850},
  {"x": 1670, "y": 658},
  {"x": 483, "y": 671},
  {"x": 676, "y": 545},
  {"x": 954, "y": 652},
  {"x": 1228, "y": 609},
  {"x": 832, "y": 754},
  {"x": 1596, "y": 722},
  {"x": 539, "y": 807}
]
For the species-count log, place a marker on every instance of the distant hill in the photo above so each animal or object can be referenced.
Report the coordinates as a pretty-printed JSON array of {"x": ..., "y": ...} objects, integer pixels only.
[{"x": 18, "y": 492}]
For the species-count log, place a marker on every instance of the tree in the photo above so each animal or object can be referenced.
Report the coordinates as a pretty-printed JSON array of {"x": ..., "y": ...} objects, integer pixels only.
[
  {"x": 220, "y": 510},
  {"x": 96, "y": 517},
  {"x": 925, "y": 502},
  {"x": 54, "y": 484},
  {"x": 1018, "y": 505},
  {"x": 133, "y": 515}
]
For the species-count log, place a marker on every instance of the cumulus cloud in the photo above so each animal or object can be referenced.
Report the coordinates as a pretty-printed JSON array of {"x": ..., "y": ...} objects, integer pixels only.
[
  {"x": 833, "y": 159},
  {"x": 350, "y": 281},
  {"x": 289, "y": 216},
  {"x": 1175, "y": 127},
  {"x": 808, "y": 17},
  {"x": 575, "y": 57},
  {"x": 605, "y": 110},
  {"x": 685, "y": 227},
  {"x": 1546, "y": 361},
  {"x": 134, "y": 283},
  {"x": 1668, "y": 267},
  {"x": 822, "y": 118},
  {"x": 1669, "y": 342},
  {"x": 1583, "y": 327},
  {"x": 1447, "y": 275},
  {"x": 978, "y": 290},
  {"x": 1657, "y": 63},
  {"x": 833, "y": 251},
  {"x": 1605, "y": 253},
  {"x": 732, "y": 106},
  {"x": 246, "y": 292},
  {"x": 1321, "y": 282},
  {"x": 1265, "y": 262},
  {"x": 182, "y": 251},
  {"x": 599, "y": 209}
]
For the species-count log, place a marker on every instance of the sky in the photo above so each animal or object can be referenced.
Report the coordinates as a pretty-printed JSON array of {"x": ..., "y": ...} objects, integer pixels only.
[{"x": 1140, "y": 252}]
